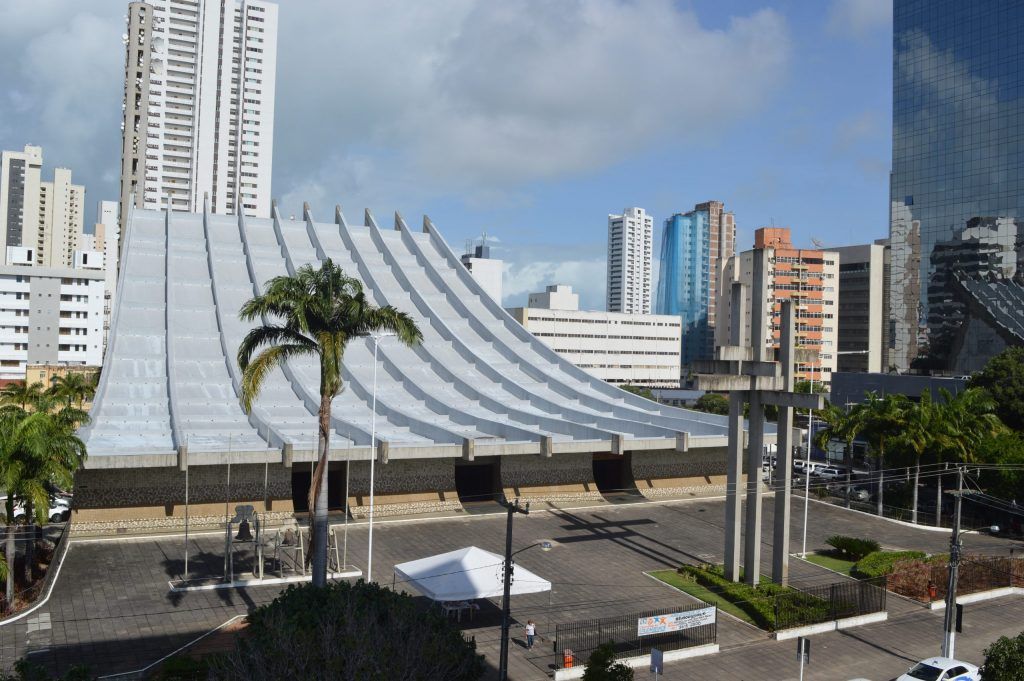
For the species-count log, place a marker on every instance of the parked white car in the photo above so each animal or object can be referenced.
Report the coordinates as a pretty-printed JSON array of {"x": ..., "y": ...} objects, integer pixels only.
[
  {"x": 830, "y": 473},
  {"x": 60, "y": 509},
  {"x": 941, "y": 669}
]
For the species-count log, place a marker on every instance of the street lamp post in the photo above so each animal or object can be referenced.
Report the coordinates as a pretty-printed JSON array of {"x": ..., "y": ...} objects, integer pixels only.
[
  {"x": 373, "y": 448},
  {"x": 512, "y": 509}
]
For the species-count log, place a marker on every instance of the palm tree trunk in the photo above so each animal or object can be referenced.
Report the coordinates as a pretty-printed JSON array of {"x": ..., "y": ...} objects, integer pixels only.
[
  {"x": 917, "y": 478},
  {"x": 318, "y": 496},
  {"x": 11, "y": 551},
  {"x": 848, "y": 462},
  {"x": 30, "y": 541},
  {"x": 881, "y": 480}
]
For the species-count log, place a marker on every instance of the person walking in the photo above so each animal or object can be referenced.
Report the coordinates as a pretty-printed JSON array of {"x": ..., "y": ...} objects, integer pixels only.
[{"x": 531, "y": 631}]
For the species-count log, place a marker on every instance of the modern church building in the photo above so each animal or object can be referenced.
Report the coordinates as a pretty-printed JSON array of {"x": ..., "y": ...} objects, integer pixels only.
[
  {"x": 957, "y": 187},
  {"x": 480, "y": 408}
]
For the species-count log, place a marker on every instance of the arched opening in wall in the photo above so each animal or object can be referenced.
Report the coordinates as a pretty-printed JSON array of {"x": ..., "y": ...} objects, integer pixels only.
[
  {"x": 478, "y": 483},
  {"x": 302, "y": 474},
  {"x": 613, "y": 475}
]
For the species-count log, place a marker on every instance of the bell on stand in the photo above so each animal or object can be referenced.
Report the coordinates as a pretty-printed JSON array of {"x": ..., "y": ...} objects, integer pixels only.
[{"x": 244, "y": 533}]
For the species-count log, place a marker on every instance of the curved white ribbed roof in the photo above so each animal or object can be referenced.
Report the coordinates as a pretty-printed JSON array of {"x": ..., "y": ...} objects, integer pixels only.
[{"x": 171, "y": 379}]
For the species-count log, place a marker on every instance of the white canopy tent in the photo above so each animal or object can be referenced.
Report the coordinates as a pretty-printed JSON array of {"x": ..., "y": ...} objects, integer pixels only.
[{"x": 466, "y": 574}]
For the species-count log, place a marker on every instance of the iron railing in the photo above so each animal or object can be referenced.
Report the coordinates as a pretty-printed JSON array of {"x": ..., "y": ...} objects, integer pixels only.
[
  {"x": 828, "y": 602},
  {"x": 622, "y": 631}
]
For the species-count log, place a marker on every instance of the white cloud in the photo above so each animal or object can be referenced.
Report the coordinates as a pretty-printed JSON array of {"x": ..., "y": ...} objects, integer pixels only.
[
  {"x": 478, "y": 98},
  {"x": 380, "y": 101},
  {"x": 529, "y": 268},
  {"x": 859, "y": 17}
]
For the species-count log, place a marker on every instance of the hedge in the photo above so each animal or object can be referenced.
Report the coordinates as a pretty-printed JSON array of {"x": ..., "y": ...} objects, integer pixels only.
[
  {"x": 758, "y": 601},
  {"x": 880, "y": 563},
  {"x": 852, "y": 548}
]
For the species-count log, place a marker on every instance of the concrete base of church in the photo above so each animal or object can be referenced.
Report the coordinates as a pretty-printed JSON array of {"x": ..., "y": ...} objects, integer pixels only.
[{"x": 152, "y": 500}]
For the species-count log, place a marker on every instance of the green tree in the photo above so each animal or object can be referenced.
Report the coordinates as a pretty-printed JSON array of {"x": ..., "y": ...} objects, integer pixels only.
[
  {"x": 74, "y": 387},
  {"x": 1004, "y": 659},
  {"x": 841, "y": 426},
  {"x": 712, "y": 403},
  {"x": 638, "y": 390},
  {"x": 1003, "y": 379},
  {"x": 924, "y": 429},
  {"x": 879, "y": 420},
  {"x": 314, "y": 313},
  {"x": 37, "y": 449},
  {"x": 349, "y": 631},
  {"x": 1007, "y": 449},
  {"x": 601, "y": 666},
  {"x": 21, "y": 394}
]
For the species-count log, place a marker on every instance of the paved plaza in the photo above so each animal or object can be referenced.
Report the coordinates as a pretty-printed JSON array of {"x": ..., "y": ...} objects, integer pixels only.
[{"x": 112, "y": 609}]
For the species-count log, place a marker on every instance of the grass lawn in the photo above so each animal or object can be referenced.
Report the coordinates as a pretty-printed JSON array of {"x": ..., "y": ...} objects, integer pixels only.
[
  {"x": 826, "y": 559},
  {"x": 672, "y": 578}
]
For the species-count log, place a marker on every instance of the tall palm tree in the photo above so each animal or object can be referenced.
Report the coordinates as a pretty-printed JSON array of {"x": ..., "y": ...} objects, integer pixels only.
[
  {"x": 922, "y": 432},
  {"x": 37, "y": 449},
  {"x": 839, "y": 425},
  {"x": 74, "y": 387},
  {"x": 313, "y": 313},
  {"x": 967, "y": 419},
  {"x": 879, "y": 420}
]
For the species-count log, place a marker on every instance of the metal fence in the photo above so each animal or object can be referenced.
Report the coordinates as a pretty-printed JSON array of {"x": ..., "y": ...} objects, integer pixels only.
[
  {"x": 622, "y": 631},
  {"x": 827, "y": 602},
  {"x": 927, "y": 579}
]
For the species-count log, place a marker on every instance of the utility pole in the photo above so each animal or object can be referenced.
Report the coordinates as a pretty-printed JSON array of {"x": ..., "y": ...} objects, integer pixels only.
[
  {"x": 954, "y": 563},
  {"x": 512, "y": 509}
]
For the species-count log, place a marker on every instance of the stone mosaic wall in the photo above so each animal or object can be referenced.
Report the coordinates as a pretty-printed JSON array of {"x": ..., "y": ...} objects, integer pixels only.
[
  {"x": 697, "y": 472},
  {"x": 561, "y": 470},
  {"x": 119, "y": 487}
]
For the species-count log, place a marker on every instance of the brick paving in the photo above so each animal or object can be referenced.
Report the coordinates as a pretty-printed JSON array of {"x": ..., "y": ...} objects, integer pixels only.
[{"x": 111, "y": 608}]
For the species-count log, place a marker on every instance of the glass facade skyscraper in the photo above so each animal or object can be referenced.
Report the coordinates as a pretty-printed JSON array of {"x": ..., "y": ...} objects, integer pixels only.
[
  {"x": 957, "y": 183},
  {"x": 694, "y": 246},
  {"x": 683, "y": 278}
]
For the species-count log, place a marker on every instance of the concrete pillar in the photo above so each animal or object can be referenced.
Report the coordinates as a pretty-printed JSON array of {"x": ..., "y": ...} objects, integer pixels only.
[
  {"x": 784, "y": 456},
  {"x": 759, "y": 315},
  {"x": 752, "y": 544},
  {"x": 733, "y": 498}
]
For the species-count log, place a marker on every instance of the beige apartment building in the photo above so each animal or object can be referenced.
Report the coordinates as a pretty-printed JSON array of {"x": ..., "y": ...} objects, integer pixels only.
[
  {"x": 41, "y": 222},
  {"x": 810, "y": 278}
]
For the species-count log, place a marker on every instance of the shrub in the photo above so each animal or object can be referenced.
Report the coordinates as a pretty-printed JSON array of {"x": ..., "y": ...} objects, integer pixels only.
[
  {"x": 880, "y": 563},
  {"x": 712, "y": 403},
  {"x": 852, "y": 548},
  {"x": 344, "y": 631},
  {"x": 759, "y": 601},
  {"x": 601, "y": 666},
  {"x": 1004, "y": 659}
]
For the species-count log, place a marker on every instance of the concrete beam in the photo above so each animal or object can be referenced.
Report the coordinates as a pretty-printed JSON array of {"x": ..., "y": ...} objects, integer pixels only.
[
  {"x": 718, "y": 383},
  {"x": 287, "y": 454},
  {"x": 468, "y": 449},
  {"x": 383, "y": 448},
  {"x": 734, "y": 353},
  {"x": 183, "y": 457},
  {"x": 545, "y": 447},
  {"x": 737, "y": 367},
  {"x": 794, "y": 400},
  {"x": 618, "y": 444}
]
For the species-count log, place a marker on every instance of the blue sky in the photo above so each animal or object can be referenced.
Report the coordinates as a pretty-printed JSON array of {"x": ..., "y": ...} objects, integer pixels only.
[{"x": 530, "y": 119}]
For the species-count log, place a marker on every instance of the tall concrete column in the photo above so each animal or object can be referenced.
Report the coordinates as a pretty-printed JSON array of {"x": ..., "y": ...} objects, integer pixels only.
[
  {"x": 733, "y": 496},
  {"x": 734, "y": 464},
  {"x": 782, "y": 474},
  {"x": 752, "y": 539}
]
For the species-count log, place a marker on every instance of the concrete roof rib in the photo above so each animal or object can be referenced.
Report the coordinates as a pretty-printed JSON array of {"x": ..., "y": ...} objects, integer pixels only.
[{"x": 479, "y": 382}]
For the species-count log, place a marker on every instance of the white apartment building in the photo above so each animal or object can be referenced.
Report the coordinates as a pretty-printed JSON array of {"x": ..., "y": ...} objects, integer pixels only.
[
  {"x": 100, "y": 249},
  {"x": 40, "y": 222},
  {"x": 633, "y": 349},
  {"x": 630, "y": 246},
  {"x": 486, "y": 270},
  {"x": 49, "y": 316},
  {"x": 199, "y": 105}
]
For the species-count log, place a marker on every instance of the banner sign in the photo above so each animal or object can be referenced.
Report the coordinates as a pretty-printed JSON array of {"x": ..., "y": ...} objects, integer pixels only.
[{"x": 676, "y": 621}]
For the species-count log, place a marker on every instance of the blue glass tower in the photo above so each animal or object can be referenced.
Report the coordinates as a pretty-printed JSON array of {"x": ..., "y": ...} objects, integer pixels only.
[
  {"x": 957, "y": 183},
  {"x": 684, "y": 280}
]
